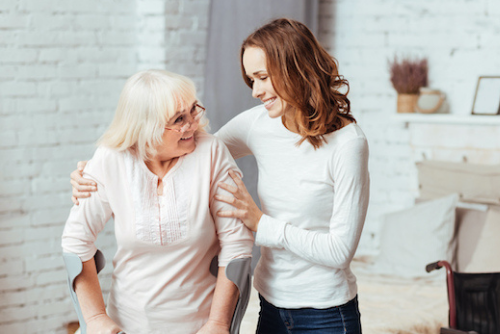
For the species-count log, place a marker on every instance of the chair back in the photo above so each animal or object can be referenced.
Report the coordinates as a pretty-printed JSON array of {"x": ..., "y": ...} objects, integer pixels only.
[{"x": 477, "y": 300}]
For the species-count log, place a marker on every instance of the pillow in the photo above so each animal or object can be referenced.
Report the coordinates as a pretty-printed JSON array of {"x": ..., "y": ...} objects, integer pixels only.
[
  {"x": 477, "y": 240},
  {"x": 412, "y": 238}
]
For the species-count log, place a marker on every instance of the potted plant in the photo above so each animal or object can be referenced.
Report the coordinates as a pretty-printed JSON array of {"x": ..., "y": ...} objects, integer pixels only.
[{"x": 407, "y": 76}]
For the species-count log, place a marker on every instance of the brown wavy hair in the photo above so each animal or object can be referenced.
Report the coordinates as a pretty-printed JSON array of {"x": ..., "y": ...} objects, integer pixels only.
[{"x": 304, "y": 75}]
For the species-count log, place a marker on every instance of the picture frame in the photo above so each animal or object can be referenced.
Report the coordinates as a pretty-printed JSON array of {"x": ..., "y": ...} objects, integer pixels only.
[{"x": 487, "y": 96}]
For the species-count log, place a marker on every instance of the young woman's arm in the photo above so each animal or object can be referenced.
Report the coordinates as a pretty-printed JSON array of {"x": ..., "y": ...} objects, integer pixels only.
[
  {"x": 235, "y": 132},
  {"x": 334, "y": 249},
  {"x": 233, "y": 135}
]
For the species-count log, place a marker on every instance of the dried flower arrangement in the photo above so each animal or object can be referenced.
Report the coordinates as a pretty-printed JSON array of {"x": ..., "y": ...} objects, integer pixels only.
[{"x": 407, "y": 75}]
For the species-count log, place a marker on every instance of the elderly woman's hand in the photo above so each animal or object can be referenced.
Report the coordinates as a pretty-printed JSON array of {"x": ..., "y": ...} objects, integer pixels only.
[
  {"x": 247, "y": 210},
  {"x": 211, "y": 327},
  {"x": 81, "y": 187},
  {"x": 102, "y": 324}
]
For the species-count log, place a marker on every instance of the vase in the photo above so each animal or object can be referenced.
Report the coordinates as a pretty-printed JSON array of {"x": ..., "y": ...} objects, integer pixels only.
[
  {"x": 406, "y": 103},
  {"x": 430, "y": 101}
]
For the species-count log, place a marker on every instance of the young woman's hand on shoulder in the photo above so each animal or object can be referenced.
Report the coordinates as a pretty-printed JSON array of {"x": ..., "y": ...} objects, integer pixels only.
[
  {"x": 246, "y": 209},
  {"x": 81, "y": 187}
]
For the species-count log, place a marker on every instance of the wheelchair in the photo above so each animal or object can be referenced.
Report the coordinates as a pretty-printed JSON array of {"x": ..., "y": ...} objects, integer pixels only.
[
  {"x": 237, "y": 271},
  {"x": 474, "y": 301}
]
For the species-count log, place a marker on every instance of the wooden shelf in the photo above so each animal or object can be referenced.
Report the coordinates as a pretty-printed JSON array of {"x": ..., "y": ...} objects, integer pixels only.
[{"x": 448, "y": 119}]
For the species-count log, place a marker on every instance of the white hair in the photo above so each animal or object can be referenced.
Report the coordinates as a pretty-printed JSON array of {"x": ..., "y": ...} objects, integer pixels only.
[{"x": 148, "y": 100}]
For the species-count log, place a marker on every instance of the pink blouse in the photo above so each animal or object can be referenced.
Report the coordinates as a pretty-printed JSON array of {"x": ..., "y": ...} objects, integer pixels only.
[{"x": 165, "y": 244}]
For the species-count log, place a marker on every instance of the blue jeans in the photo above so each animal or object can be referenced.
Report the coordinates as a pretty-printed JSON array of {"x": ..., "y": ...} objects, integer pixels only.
[{"x": 343, "y": 319}]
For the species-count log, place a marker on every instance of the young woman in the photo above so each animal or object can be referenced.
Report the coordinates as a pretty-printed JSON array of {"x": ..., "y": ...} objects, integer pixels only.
[
  {"x": 313, "y": 181},
  {"x": 156, "y": 172}
]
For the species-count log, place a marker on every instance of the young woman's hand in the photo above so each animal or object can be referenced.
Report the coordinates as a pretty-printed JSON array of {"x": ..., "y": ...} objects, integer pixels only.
[
  {"x": 246, "y": 209},
  {"x": 212, "y": 327},
  {"x": 81, "y": 187},
  {"x": 102, "y": 324}
]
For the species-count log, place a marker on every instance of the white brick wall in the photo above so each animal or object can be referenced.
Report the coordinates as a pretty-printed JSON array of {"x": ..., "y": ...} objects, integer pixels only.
[
  {"x": 172, "y": 35},
  {"x": 460, "y": 39},
  {"x": 62, "y": 66}
]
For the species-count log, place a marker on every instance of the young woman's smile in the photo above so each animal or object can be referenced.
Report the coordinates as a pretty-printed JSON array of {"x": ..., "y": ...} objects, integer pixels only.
[{"x": 254, "y": 61}]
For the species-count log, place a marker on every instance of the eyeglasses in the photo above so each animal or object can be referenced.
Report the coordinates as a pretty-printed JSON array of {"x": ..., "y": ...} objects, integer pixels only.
[{"x": 181, "y": 124}]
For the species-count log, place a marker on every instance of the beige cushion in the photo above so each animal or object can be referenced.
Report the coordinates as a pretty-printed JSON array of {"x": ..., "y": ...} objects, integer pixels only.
[
  {"x": 478, "y": 240},
  {"x": 473, "y": 183}
]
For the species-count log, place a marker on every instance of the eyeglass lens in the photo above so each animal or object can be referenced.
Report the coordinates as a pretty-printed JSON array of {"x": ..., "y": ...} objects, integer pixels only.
[{"x": 196, "y": 115}]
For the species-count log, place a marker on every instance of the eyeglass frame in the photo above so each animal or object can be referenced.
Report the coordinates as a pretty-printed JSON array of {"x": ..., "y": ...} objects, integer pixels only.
[{"x": 196, "y": 119}]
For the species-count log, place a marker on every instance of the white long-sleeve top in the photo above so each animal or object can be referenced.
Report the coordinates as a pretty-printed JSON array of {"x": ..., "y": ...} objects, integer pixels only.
[
  {"x": 314, "y": 204},
  {"x": 165, "y": 244}
]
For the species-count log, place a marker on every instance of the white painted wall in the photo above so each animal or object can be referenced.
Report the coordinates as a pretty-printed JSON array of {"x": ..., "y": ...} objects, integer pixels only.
[
  {"x": 62, "y": 66},
  {"x": 172, "y": 35},
  {"x": 461, "y": 40}
]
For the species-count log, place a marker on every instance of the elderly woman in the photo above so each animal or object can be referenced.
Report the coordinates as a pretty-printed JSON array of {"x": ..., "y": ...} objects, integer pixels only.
[{"x": 157, "y": 173}]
